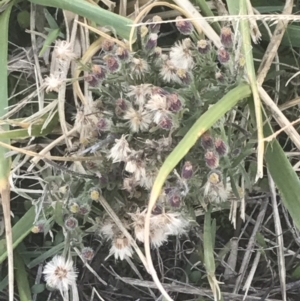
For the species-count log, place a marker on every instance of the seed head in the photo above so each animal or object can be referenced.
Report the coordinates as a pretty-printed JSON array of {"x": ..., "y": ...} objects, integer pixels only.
[
  {"x": 138, "y": 120},
  {"x": 64, "y": 51},
  {"x": 168, "y": 72},
  {"x": 223, "y": 55},
  {"x": 120, "y": 151},
  {"x": 71, "y": 223},
  {"x": 184, "y": 26},
  {"x": 52, "y": 83},
  {"x": 139, "y": 67},
  {"x": 220, "y": 147},
  {"x": 214, "y": 177},
  {"x": 181, "y": 55},
  {"x": 121, "y": 248},
  {"x": 60, "y": 274},
  {"x": 212, "y": 159},
  {"x": 187, "y": 170}
]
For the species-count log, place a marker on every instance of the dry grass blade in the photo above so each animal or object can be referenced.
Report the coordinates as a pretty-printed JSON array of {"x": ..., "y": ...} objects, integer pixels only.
[
  {"x": 279, "y": 238},
  {"x": 275, "y": 42},
  {"x": 250, "y": 246}
]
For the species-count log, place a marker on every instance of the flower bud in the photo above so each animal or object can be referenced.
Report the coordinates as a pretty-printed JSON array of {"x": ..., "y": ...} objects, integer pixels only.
[
  {"x": 91, "y": 80},
  {"x": 187, "y": 170},
  {"x": 74, "y": 208},
  {"x": 212, "y": 159},
  {"x": 174, "y": 103},
  {"x": 121, "y": 106},
  {"x": 207, "y": 141},
  {"x": 220, "y": 147},
  {"x": 95, "y": 194},
  {"x": 236, "y": 152},
  {"x": 98, "y": 72},
  {"x": 87, "y": 253},
  {"x": 122, "y": 53},
  {"x": 184, "y": 76},
  {"x": 223, "y": 55},
  {"x": 226, "y": 36},
  {"x": 157, "y": 210},
  {"x": 112, "y": 63},
  {"x": 165, "y": 123},
  {"x": 155, "y": 28},
  {"x": 173, "y": 197},
  {"x": 151, "y": 43},
  {"x": 107, "y": 45},
  {"x": 104, "y": 125},
  {"x": 184, "y": 26},
  {"x": 214, "y": 177},
  {"x": 38, "y": 227},
  {"x": 71, "y": 223},
  {"x": 84, "y": 209},
  {"x": 203, "y": 46}
]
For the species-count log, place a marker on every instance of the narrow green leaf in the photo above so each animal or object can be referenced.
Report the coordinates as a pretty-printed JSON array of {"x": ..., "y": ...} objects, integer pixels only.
[
  {"x": 208, "y": 236},
  {"x": 53, "y": 34},
  {"x": 19, "y": 231},
  {"x": 92, "y": 12},
  {"x": 22, "y": 279}
]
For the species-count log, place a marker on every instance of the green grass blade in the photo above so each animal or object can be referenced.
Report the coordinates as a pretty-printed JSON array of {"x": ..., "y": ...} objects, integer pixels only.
[
  {"x": 284, "y": 177},
  {"x": 22, "y": 279},
  {"x": 92, "y": 12},
  {"x": 19, "y": 231}
]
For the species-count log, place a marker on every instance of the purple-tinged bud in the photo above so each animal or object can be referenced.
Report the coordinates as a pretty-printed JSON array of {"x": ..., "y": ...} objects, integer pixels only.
[
  {"x": 223, "y": 55},
  {"x": 212, "y": 159},
  {"x": 121, "y": 106},
  {"x": 184, "y": 76},
  {"x": 236, "y": 152},
  {"x": 103, "y": 125},
  {"x": 226, "y": 36},
  {"x": 87, "y": 253},
  {"x": 207, "y": 141},
  {"x": 158, "y": 90},
  {"x": 71, "y": 223},
  {"x": 92, "y": 80},
  {"x": 165, "y": 123},
  {"x": 122, "y": 53},
  {"x": 112, "y": 63},
  {"x": 98, "y": 72},
  {"x": 173, "y": 197},
  {"x": 84, "y": 209},
  {"x": 151, "y": 43},
  {"x": 155, "y": 28},
  {"x": 184, "y": 26},
  {"x": 107, "y": 45},
  {"x": 174, "y": 103},
  {"x": 38, "y": 227},
  {"x": 203, "y": 46},
  {"x": 187, "y": 170},
  {"x": 214, "y": 177},
  {"x": 220, "y": 147}
]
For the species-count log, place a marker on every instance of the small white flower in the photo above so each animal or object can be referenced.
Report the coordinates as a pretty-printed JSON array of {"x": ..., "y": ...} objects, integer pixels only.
[
  {"x": 139, "y": 67},
  {"x": 120, "y": 248},
  {"x": 60, "y": 274},
  {"x": 64, "y": 51},
  {"x": 168, "y": 72},
  {"x": 120, "y": 151},
  {"x": 52, "y": 83},
  {"x": 181, "y": 55},
  {"x": 137, "y": 168},
  {"x": 157, "y": 102},
  {"x": 140, "y": 93},
  {"x": 107, "y": 230},
  {"x": 138, "y": 120}
]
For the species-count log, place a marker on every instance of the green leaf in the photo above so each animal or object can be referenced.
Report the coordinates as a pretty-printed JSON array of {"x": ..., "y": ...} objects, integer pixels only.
[
  {"x": 92, "y": 12},
  {"x": 38, "y": 288},
  {"x": 19, "y": 231},
  {"x": 22, "y": 279},
  {"x": 53, "y": 34}
]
